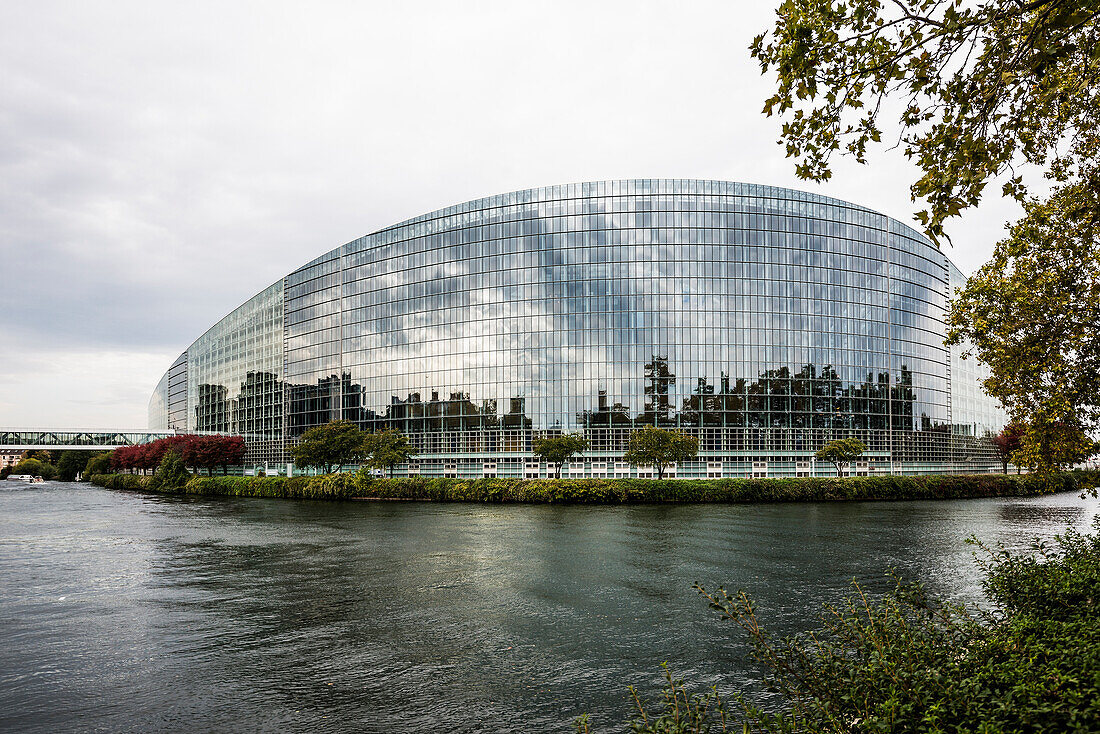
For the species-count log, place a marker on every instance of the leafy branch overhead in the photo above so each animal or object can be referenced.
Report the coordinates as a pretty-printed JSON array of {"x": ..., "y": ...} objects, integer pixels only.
[{"x": 983, "y": 87}]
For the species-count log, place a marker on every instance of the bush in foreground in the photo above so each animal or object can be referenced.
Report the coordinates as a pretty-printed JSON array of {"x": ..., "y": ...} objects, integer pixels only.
[
  {"x": 904, "y": 663},
  {"x": 618, "y": 491}
]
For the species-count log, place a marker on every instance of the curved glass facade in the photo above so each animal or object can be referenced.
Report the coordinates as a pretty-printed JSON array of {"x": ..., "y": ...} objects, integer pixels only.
[{"x": 764, "y": 321}]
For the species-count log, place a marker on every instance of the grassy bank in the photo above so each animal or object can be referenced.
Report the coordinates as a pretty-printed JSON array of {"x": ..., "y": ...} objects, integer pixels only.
[{"x": 615, "y": 491}]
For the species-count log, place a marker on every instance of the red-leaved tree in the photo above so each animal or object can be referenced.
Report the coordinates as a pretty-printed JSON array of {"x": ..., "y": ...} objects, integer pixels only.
[
  {"x": 1007, "y": 442},
  {"x": 196, "y": 453}
]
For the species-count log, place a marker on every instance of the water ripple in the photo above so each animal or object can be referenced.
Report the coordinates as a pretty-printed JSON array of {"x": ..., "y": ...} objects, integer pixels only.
[{"x": 121, "y": 612}]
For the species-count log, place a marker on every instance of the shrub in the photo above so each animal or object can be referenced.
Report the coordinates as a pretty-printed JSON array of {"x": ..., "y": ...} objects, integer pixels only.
[
  {"x": 171, "y": 475},
  {"x": 70, "y": 463},
  {"x": 122, "y": 481},
  {"x": 904, "y": 663},
  {"x": 98, "y": 464},
  {"x": 638, "y": 491}
]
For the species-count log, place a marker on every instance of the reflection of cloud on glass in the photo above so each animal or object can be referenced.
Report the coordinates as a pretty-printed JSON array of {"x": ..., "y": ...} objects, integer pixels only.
[{"x": 762, "y": 319}]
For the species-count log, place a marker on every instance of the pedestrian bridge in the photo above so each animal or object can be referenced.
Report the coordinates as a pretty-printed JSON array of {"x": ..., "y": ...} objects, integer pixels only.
[{"x": 26, "y": 440}]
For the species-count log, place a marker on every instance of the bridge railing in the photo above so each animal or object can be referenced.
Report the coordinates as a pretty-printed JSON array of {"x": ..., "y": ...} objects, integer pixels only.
[{"x": 50, "y": 439}]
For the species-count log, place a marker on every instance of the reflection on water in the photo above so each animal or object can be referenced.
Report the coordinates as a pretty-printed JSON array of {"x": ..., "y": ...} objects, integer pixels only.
[
  {"x": 1028, "y": 515},
  {"x": 124, "y": 612}
]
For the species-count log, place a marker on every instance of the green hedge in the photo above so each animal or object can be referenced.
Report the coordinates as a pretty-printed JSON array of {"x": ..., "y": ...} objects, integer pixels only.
[{"x": 619, "y": 491}]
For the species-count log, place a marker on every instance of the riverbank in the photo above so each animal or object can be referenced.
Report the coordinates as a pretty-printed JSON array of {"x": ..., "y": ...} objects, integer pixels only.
[{"x": 616, "y": 491}]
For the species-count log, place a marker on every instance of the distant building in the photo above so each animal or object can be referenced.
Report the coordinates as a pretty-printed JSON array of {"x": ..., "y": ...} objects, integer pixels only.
[
  {"x": 9, "y": 458},
  {"x": 761, "y": 320}
]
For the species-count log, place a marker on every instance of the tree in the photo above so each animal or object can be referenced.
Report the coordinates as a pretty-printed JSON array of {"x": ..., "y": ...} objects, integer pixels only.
[
  {"x": 841, "y": 452},
  {"x": 331, "y": 445},
  {"x": 1032, "y": 314},
  {"x": 70, "y": 464},
  {"x": 171, "y": 474},
  {"x": 983, "y": 86},
  {"x": 557, "y": 450},
  {"x": 1007, "y": 442},
  {"x": 208, "y": 452},
  {"x": 1052, "y": 445},
  {"x": 386, "y": 449},
  {"x": 195, "y": 451},
  {"x": 231, "y": 451},
  {"x": 35, "y": 468},
  {"x": 659, "y": 448},
  {"x": 98, "y": 464},
  {"x": 140, "y": 457}
]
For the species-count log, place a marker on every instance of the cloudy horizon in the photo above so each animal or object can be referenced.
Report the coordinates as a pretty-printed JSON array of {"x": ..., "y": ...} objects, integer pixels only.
[{"x": 162, "y": 163}]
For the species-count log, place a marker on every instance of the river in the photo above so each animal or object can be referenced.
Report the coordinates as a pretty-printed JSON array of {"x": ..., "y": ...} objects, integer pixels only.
[{"x": 125, "y": 612}]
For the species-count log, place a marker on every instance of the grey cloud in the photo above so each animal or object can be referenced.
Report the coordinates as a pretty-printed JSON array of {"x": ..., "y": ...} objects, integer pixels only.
[{"x": 159, "y": 164}]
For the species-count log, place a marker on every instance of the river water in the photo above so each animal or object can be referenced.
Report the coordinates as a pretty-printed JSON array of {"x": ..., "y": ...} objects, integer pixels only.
[{"x": 125, "y": 612}]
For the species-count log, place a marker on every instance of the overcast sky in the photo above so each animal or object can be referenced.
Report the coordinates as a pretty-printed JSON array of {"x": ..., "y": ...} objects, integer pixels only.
[{"x": 160, "y": 163}]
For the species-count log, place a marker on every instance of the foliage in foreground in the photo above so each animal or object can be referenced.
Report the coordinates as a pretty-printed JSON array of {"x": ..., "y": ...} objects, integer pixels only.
[
  {"x": 1031, "y": 314},
  {"x": 616, "y": 491},
  {"x": 98, "y": 464},
  {"x": 984, "y": 86},
  {"x": 903, "y": 663},
  {"x": 171, "y": 475},
  {"x": 194, "y": 450}
]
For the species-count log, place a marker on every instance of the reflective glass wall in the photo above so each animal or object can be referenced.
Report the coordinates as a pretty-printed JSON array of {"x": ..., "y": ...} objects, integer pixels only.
[
  {"x": 234, "y": 375},
  {"x": 973, "y": 412},
  {"x": 168, "y": 405},
  {"x": 764, "y": 321}
]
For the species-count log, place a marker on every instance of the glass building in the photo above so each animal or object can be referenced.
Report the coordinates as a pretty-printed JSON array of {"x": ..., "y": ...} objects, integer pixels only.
[{"x": 764, "y": 321}]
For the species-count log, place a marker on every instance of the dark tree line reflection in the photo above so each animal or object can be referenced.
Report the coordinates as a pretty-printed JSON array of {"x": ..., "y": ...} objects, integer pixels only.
[{"x": 780, "y": 409}]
